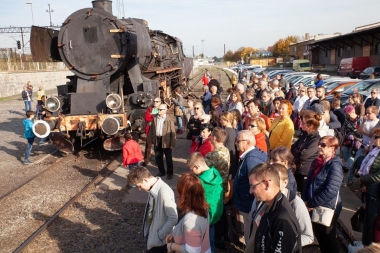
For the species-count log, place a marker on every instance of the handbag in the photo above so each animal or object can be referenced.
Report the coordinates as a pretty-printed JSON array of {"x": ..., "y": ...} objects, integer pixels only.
[
  {"x": 178, "y": 111},
  {"x": 357, "y": 220},
  {"x": 323, "y": 215}
]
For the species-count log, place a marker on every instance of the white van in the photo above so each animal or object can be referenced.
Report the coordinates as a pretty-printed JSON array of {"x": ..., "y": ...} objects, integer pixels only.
[{"x": 301, "y": 65}]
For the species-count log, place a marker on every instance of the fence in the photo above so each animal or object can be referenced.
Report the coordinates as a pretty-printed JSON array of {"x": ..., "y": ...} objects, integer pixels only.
[{"x": 20, "y": 60}]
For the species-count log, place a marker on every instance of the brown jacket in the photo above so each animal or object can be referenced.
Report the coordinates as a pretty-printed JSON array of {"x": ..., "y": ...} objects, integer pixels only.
[{"x": 168, "y": 133}]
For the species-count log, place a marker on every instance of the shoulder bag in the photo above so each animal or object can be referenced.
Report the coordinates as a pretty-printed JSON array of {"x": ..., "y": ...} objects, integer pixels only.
[
  {"x": 323, "y": 215},
  {"x": 177, "y": 111}
]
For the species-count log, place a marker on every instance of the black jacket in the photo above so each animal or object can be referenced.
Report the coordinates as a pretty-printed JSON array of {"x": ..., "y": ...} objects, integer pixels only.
[
  {"x": 279, "y": 230},
  {"x": 334, "y": 121},
  {"x": 340, "y": 115},
  {"x": 305, "y": 150}
]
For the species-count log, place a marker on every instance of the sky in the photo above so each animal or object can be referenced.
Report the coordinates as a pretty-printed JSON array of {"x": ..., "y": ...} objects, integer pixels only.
[{"x": 233, "y": 23}]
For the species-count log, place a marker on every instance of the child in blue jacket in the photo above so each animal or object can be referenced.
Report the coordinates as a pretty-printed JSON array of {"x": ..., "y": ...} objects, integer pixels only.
[{"x": 28, "y": 134}]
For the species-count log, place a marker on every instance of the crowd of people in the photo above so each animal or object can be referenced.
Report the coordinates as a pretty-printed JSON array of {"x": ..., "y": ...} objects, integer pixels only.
[{"x": 269, "y": 152}]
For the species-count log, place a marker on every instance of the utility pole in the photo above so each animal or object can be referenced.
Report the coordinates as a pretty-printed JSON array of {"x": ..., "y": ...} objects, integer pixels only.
[
  {"x": 193, "y": 52},
  {"x": 203, "y": 49},
  {"x": 31, "y": 7},
  {"x": 50, "y": 11}
]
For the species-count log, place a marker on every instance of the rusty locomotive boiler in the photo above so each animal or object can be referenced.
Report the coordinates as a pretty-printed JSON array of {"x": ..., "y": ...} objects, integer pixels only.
[{"x": 119, "y": 66}]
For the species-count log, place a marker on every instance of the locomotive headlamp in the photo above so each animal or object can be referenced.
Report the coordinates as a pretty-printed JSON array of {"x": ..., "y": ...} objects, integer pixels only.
[
  {"x": 53, "y": 104},
  {"x": 113, "y": 102},
  {"x": 110, "y": 126},
  {"x": 41, "y": 128}
]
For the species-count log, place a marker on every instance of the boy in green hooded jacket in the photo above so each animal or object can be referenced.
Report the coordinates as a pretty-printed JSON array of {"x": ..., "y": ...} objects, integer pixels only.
[{"x": 212, "y": 183}]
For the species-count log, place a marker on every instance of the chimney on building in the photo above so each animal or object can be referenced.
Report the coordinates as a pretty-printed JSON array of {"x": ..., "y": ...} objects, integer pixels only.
[{"x": 307, "y": 36}]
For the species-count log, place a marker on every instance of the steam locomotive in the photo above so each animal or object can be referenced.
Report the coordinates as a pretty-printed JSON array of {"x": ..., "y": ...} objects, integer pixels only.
[{"x": 119, "y": 67}]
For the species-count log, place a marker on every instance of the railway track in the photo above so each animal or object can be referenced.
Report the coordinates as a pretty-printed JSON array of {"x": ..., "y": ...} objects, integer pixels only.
[{"x": 50, "y": 192}]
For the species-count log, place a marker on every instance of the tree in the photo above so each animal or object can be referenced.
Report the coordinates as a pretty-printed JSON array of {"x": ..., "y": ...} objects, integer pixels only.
[
  {"x": 281, "y": 47},
  {"x": 201, "y": 55},
  {"x": 228, "y": 56}
]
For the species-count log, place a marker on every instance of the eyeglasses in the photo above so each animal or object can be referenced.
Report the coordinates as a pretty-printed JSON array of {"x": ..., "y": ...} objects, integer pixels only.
[
  {"x": 196, "y": 108},
  {"x": 323, "y": 145},
  {"x": 254, "y": 186},
  {"x": 373, "y": 92},
  {"x": 238, "y": 141},
  {"x": 252, "y": 126},
  {"x": 162, "y": 109},
  {"x": 156, "y": 101},
  {"x": 302, "y": 90},
  {"x": 376, "y": 137}
]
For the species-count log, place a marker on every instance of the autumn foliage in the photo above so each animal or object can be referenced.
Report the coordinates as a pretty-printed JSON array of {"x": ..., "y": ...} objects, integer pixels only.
[{"x": 281, "y": 47}]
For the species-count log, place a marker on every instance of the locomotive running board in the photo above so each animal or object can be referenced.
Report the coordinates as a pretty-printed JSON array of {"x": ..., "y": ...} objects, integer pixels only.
[
  {"x": 114, "y": 143},
  {"x": 61, "y": 143}
]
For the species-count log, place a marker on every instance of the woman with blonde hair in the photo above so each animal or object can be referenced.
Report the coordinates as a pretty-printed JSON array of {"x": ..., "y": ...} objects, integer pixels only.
[
  {"x": 258, "y": 128},
  {"x": 226, "y": 120},
  {"x": 282, "y": 129}
]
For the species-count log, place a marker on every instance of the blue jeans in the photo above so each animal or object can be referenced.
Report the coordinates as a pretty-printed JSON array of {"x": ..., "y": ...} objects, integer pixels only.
[
  {"x": 179, "y": 122},
  {"x": 130, "y": 166},
  {"x": 212, "y": 235},
  {"x": 349, "y": 160},
  {"x": 28, "y": 105},
  {"x": 28, "y": 149}
]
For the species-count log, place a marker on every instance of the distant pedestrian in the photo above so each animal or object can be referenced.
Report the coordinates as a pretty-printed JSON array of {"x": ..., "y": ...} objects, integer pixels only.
[
  {"x": 162, "y": 134},
  {"x": 149, "y": 116},
  {"x": 41, "y": 113},
  {"x": 25, "y": 94},
  {"x": 318, "y": 81},
  {"x": 132, "y": 153},
  {"x": 179, "y": 110},
  {"x": 205, "y": 80},
  {"x": 40, "y": 93},
  {"x": 206, "y": 99},
  {"x": 28, "y": 134},
  {"x": 160, "y": 214}
]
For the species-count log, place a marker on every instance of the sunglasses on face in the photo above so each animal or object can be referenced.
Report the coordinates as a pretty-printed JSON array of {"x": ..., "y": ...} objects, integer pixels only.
[
  {"x": 252, "y": 125},
  {"x": 323, "y": 145},
  {"x": 376, "y": 137},
  {"x": 157, "y": 101},
  {"x": 196, "y": 108}
]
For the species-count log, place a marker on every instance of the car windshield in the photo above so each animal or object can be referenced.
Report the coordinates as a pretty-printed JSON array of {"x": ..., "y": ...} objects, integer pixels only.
[
  {"x": 305, "y": 64},
  {"x": 360, "y": 86},
  {"x": 332, "y": 86}
]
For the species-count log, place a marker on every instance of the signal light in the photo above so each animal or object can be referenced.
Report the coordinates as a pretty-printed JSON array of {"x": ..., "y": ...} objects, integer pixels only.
[{"x": 18, "y": 44}]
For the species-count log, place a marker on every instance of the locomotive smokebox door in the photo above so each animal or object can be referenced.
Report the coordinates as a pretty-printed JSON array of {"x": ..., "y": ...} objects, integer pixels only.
[{"x": 86, "y": 44}]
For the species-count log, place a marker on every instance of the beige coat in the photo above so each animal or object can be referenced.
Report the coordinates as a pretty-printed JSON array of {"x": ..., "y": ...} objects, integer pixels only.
[{"x": 168, "y": 133}]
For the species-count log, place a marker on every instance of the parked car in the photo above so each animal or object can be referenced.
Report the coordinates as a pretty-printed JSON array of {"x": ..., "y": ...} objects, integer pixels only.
[
  {"x": 352, "y": 67},
  {"x": 375, "y": 70},
  {"x": 363, "y": 87},
  {"x": 340, "y": 85}
]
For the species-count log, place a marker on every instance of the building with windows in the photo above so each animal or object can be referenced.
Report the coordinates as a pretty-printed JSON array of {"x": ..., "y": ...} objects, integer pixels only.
[{"x": 363, "y": 41}]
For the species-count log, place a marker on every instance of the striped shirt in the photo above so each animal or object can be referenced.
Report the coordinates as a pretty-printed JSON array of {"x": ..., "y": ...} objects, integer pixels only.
[{"x": 160, "y": 125}]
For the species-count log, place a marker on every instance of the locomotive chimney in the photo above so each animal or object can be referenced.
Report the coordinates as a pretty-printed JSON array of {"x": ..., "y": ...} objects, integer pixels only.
[{"x": 103, "y": 4}]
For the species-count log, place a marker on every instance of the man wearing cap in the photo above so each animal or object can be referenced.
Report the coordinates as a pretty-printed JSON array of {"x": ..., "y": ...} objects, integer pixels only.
[{"x": 162, "y": 135}]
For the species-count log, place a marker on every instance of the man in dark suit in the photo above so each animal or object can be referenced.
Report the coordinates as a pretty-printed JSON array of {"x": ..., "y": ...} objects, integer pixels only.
[{"x": 162, "y": 135}]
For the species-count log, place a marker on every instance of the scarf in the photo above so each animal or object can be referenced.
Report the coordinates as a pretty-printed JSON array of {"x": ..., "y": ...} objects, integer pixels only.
[
  {"x": 368, "y": 161},
  {"x": 318, "y": 165}
]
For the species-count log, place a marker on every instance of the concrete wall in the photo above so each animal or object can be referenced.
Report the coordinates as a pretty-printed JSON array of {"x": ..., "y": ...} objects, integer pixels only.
[{"x": 13, "y": 83}]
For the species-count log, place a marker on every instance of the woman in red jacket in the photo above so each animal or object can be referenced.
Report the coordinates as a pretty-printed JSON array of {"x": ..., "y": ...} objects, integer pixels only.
[{"x": 204, "y": 145}]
